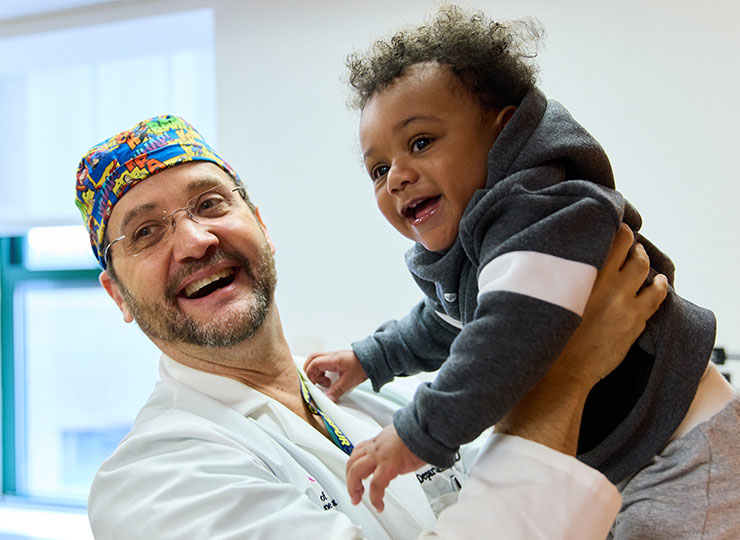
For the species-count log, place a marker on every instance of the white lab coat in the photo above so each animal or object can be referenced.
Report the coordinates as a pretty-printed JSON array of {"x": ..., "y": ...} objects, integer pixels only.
[{"x": 210, "y": 458}]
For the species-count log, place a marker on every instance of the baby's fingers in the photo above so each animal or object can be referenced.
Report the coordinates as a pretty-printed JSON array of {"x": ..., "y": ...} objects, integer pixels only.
[
  {"x": 316, "y": 366},
  {"x": 359, "y": 467},
  {"x": 338, "y": 388},
  {"x": 380, "y": 481}
]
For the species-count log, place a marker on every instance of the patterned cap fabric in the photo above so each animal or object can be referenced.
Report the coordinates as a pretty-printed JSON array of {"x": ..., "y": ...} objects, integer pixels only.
[{"x": 114, "y": 166}]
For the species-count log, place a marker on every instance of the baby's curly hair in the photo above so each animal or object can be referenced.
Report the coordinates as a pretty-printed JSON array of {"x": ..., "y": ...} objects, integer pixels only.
[{"x": 492, "y": 59}]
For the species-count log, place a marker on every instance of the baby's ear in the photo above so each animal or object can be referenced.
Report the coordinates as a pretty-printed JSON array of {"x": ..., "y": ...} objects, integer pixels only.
[
  {"x": 503, "y": 117},
  {"x": 114, "y": 292}
]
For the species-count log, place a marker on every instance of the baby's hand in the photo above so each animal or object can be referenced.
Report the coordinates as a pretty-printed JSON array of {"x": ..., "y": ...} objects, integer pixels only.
[
  {"x": 385, "y": 457},
  {"x": 345, "y": 363}
]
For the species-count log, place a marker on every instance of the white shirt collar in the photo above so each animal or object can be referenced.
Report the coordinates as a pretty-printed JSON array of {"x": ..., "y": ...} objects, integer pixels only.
[
  {"x": 228, "y": 391},
  {"x": 352, "y": 417}
]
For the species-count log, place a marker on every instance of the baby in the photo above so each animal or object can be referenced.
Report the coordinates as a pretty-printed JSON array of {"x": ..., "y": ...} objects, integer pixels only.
[{"x": 512, "y": 206}]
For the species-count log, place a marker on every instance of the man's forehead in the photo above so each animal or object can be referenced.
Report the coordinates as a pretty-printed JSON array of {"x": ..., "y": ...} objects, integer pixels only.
[{"x": 170, "y": 186}]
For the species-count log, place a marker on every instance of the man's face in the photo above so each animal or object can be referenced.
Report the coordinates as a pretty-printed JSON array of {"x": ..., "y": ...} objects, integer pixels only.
[
  {"x": 425, "y": 142},
  {"x": 207, "y": 283}
]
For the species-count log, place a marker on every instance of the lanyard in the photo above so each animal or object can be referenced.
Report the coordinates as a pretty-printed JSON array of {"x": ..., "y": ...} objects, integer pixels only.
[{"x": 337, "y": 435}]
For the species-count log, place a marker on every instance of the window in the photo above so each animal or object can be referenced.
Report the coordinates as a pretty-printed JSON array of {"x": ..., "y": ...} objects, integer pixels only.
[
  {"x": 62, "y": 92},
  {"x": 73, "y": 374},
  {"x": 75, "y": 390}
]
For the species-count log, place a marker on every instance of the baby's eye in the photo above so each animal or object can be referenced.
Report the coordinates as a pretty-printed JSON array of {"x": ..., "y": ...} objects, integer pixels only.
[
  {"x": 379, "y": 172},
  {"x": 419, "y": 144}
]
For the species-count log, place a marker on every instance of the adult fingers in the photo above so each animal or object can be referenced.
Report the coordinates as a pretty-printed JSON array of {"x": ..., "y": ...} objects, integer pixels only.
[
  {"x": 636, "y": 268},
  {"x": 619, "y": 251},
  {"x": 652, "y": 296}
]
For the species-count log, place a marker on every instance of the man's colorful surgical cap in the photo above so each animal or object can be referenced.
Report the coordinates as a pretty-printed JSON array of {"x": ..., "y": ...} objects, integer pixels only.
[{"x": 116, "y": 165}]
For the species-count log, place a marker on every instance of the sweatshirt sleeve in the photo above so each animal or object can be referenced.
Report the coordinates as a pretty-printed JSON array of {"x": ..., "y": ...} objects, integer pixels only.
[
  {"x": 418, "y": 342},
  {"x": 537, "y": 253}
]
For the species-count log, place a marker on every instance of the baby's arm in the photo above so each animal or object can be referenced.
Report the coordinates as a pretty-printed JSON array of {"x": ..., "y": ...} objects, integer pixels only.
[
  {"x": 614, "y": 317},
  {"x": 550, "y": 414},
  {"x": 344, "y": 363},
  {"x": 536, "y": 253},
  {"x": 418, "y": 342}
]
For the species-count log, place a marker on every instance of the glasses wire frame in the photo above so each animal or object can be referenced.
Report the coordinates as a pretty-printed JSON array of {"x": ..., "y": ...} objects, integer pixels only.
[{"x": 188, "y": 209}]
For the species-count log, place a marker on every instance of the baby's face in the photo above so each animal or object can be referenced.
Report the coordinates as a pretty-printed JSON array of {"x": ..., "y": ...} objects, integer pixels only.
[{"x": 425, "y": 141}]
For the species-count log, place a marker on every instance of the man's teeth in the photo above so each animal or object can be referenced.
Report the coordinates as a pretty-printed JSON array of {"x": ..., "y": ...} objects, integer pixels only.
[{"x": 194, "y": 287}]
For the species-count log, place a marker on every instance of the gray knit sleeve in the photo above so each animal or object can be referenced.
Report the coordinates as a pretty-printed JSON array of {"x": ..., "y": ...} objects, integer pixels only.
[
  {"x": 513, "y": 337},
  {"x": 418, "y": 342}
]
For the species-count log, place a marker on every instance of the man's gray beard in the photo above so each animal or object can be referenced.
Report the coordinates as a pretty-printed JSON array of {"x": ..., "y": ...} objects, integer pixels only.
[{"x": 166, "y": 322}]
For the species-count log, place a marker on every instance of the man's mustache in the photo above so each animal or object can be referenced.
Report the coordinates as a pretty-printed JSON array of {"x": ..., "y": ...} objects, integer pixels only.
[{"x": 218, "y": 257}]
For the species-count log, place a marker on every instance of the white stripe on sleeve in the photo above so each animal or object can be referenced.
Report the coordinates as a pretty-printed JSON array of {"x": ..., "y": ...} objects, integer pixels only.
[
  {"x": 449, "y": 320},
  {"x": 558, "y": 281}
]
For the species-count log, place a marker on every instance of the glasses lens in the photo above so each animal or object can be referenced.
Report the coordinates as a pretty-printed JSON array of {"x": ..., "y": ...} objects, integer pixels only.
[{"x": 145, "y": 232}]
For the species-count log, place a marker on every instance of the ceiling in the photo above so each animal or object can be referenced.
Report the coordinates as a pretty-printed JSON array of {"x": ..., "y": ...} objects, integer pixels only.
[{"x": 11, "y": 9}]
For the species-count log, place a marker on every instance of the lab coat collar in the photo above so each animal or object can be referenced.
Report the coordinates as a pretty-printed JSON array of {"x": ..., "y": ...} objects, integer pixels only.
[
  {"x": 356, "y": 424},
  {"x": 228, "y": 391},
  {"x": 248, "y": 401}
]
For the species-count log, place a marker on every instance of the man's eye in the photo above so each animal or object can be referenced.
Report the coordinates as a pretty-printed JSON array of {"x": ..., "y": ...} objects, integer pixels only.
[
  {"x": 210, "y": 204},
  {"x": 379, "y": 172},
  {"x": 419, "y": 144},
  {"x": 145, "y": 235},
  {"x": 142, "y": 232}
]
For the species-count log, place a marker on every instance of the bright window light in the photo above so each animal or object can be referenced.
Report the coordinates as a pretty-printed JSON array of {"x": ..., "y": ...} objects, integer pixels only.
[
  {"x": 32, "y": 523},
  {"x": 80, "y": 373},
  {"x": 64, "y": 91},
  {"x": 53, "y": 248}
]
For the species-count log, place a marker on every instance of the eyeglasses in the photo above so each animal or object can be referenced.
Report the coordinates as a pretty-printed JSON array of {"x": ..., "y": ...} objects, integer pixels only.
[{"x": 143, "y": 234}]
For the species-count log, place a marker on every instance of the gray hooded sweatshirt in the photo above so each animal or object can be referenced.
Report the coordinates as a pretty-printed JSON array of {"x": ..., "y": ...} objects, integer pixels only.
[{"x": 504, "y": 300}]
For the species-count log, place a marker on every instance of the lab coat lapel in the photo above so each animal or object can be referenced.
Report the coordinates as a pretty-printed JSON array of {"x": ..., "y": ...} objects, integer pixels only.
[
  {"x": 404, "y": 497},
  {"x": 397, "y": 518},
  {"x": 308, "y": 460},
  {"x": 404, "y": 491},
  {"x": 305, "y": 436}
]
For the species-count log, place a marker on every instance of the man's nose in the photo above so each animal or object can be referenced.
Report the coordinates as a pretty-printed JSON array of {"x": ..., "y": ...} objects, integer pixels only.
[
  {"x": 401, "y": 174},
  {"x": 191, "y": 237}
]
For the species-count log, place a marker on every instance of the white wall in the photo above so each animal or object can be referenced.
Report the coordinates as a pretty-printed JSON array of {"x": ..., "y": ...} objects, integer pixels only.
[{"x": 655, "y": 81}]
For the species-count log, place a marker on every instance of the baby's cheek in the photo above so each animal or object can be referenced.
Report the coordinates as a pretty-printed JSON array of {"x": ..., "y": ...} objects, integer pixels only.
[
  {"x": 399, "y": 224},
  {"x": 389, "y": 213}
]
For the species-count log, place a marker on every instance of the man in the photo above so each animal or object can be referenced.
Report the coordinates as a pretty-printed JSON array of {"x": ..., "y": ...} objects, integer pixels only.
[{"x": 234, "y": 444}]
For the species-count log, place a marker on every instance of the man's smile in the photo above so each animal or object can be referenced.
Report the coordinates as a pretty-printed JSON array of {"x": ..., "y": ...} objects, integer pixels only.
[
  {"x": 201, "y": 279},
  {"x": 208, "y": 284}
]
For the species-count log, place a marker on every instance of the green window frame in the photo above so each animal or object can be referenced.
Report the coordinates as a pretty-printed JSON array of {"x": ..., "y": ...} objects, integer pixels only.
[{"x": 13, "y": 271}]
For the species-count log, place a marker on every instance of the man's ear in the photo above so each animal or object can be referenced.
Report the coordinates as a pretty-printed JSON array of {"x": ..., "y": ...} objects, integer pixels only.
[
  {"x": 264, "y": 229},
  {"x": 113, "y": 291}
]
